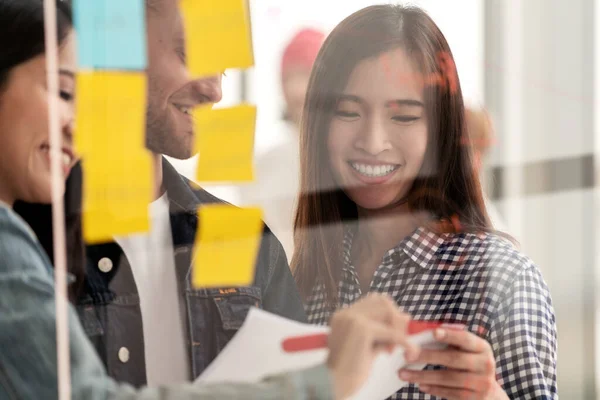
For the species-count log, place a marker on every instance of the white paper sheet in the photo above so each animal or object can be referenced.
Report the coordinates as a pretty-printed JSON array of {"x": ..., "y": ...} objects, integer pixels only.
[{"x": 255, "y": 353}]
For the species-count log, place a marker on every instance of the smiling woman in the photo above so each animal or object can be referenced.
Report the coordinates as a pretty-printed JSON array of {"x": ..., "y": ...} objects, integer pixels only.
[
  {"x": 373, "y": 168},
  {"x": 24, "y": 135},
  {"x": 384, "y": 173},
  {"x": 24, "y": 139}
]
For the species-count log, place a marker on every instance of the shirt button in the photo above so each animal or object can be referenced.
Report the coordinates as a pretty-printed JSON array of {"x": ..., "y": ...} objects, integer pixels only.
[
  {"x": 124, "y": 354},
  {"x": 105, "y": 264}
]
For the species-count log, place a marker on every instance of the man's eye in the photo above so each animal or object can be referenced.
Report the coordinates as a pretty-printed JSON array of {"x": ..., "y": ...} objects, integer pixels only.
[{"x": 181, "y": 54}]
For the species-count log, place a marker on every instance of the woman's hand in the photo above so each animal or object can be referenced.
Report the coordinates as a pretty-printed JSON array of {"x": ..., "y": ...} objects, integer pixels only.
[
  {"x": 470, "y": 373},
  {"x": 358, "y": 334}
]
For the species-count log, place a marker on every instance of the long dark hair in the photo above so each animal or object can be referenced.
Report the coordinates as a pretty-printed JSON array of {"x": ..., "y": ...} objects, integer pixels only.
[
  {"x": 446, "y": 186},
  {"x": 22, "y": 31},
  {"x": 21, "y": 39}
]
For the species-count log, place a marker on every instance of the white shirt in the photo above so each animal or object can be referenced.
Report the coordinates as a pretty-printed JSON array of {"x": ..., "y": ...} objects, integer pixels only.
[{"x": 153, "y": 265}]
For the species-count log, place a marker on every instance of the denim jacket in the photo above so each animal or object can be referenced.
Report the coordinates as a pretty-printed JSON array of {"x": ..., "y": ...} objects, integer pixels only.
[
  {"x": 28, "y": 368},
  {"x": 109, "y": 308}
]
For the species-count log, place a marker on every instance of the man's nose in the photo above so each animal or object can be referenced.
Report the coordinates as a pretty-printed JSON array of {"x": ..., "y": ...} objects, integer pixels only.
[{"x": 207, "y": 90}]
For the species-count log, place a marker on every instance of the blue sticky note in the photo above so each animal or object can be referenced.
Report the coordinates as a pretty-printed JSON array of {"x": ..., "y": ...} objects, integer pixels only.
[{"x": 111, "y": 34}]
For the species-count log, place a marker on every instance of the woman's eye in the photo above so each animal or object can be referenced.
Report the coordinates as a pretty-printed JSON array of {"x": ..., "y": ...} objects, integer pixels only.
[
  {"x": 404, "y": 118},
  {"x": 346, "y": 114},
  {"x": 66, "y": 96}
]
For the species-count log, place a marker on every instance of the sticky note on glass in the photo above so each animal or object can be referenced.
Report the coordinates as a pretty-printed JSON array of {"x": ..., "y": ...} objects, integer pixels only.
[
  {"x": 217, "y": 35},
  {"x": 225, "y": 141},
  {"x": 110, "y": 137},
  {"x": 227, "y": 245},
  {"x": 111, "y": 34}
]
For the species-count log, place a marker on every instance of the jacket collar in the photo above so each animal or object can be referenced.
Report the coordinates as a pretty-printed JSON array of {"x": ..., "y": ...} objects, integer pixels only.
[{"x": 182, "y": 199}]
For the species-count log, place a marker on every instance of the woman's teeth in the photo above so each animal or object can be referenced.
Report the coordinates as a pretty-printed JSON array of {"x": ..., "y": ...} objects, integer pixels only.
[
  {"x": 65, "y": 157},
  {"x": 374, "y": 170}
]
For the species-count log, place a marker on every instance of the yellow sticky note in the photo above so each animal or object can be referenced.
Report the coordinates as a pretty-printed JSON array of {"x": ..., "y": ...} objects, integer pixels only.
[
  {"x": 217, "y": 35},
  {"x": 117, "y": 168},
  {"x": 227, "y": 245},
  {"x": 225, "y": 141}
]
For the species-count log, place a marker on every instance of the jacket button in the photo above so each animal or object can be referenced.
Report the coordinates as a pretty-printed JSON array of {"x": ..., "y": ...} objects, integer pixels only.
[
  {"x": 123, "y": 354},
  {"x": 105, "y": 264}
]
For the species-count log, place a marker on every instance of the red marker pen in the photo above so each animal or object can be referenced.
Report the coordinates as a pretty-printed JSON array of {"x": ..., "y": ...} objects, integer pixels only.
[{"x": 319, "y": 341}]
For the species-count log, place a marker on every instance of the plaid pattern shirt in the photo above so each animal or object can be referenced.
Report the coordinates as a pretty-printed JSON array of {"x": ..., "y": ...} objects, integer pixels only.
[{"x": 481, "y": 281}]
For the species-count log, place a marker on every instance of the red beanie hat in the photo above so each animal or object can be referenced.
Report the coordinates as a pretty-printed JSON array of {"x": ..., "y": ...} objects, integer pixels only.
[{"x": 302, "y": 50}]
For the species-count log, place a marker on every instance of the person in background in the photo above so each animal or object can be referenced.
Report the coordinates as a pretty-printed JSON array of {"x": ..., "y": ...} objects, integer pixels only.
[
  {"x": 278, "y": 170},
  {"x": 481, "y": 138},
  {"x": 391, "y": 203},
  {"x": 28, "y": 359},
  {"x": 296, "y": 66}
]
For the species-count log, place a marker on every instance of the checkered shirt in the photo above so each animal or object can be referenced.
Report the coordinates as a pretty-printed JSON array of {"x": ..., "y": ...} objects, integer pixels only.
[{"x": 481, "y": 281}]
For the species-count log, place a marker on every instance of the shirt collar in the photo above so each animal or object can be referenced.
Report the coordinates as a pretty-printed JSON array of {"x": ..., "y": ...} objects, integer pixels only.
[{"x": 423, "y": 246}]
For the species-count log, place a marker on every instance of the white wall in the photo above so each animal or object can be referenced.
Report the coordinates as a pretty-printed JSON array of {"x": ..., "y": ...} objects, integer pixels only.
[{"x": 539, "y": 87}]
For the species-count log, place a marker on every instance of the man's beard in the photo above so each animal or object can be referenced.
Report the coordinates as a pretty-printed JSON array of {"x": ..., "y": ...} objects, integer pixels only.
[{"x": 161, "y": 137}]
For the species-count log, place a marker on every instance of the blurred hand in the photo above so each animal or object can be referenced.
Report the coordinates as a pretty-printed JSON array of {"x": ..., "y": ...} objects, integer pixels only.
[
  {"x": 358, "y": 334},
  {"x": 470, "y": 373}
]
